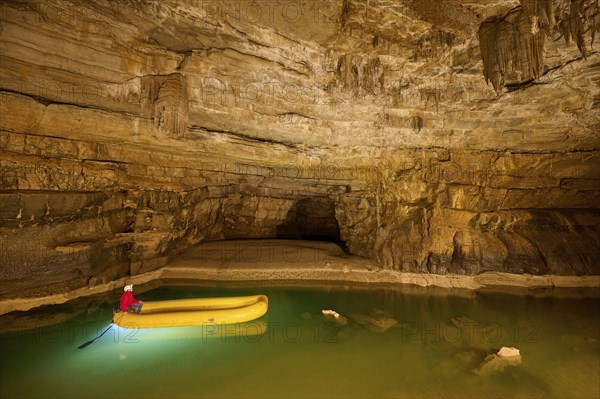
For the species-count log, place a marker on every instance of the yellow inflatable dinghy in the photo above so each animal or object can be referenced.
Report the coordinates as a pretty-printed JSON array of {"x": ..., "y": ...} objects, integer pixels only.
[{"x": 194, "y": 312}]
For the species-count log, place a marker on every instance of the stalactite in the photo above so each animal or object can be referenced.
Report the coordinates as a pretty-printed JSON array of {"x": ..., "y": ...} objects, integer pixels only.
[
  {"x": 378, "y": 204},
  {"x": 433, "y": 44},
  {"x": 512, "y": 46},
  {"x": 433, "y": 94},
  {"x": 416, "y": 123},
  {"x": 344, "y": 14},
  {"x": 542, "y": 9},
  {"x": 360, "y": 72},
  {"x": 576, "y": 18},
  {"x": 171, "y": 107},
  {"x": 150, "y": 84}
]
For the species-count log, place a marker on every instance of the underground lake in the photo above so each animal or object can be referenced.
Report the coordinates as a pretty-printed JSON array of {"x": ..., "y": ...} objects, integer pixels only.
[{"x": 401, "y": 342}]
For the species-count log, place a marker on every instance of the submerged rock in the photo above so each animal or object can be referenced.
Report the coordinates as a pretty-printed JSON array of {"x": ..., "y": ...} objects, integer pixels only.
[
  {"x": 335, "y": 317},
  {"x": 509, "y": 352},
  {"x": 474, "y": 335},
  {"x": 496, "y": 362},
  {"x": 469, "y": 359},
  {"x": 377, "y": 320}
]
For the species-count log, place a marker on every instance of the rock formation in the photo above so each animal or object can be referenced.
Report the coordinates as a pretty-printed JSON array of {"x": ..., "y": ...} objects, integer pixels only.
[
  {"x": 377, "y": 320},
  {"x": 132, "y": 130},
  {"x": 512, "y": 46},
  {"x": 171, "y": 107},
  {"x": 334, "y": 317},
  {"x": 496, "y": 362}
]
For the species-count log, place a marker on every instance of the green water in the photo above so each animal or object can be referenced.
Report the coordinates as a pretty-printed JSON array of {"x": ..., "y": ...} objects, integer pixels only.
[{"x": 300, "y": 354}]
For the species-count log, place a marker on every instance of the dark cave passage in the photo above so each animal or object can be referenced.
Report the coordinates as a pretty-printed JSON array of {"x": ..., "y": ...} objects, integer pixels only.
[{"x": 312, "y": 219}]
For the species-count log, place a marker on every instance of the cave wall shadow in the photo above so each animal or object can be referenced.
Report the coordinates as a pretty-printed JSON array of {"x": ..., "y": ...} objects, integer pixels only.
[{"x": 312, "y": 219}]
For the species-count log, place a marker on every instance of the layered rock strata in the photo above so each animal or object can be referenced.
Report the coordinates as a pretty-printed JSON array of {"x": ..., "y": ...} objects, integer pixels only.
[{"x": 133, "y": 130}]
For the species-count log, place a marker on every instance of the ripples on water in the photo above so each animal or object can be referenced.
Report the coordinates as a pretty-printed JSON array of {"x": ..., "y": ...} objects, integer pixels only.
[{"x": 439, "y": 338}]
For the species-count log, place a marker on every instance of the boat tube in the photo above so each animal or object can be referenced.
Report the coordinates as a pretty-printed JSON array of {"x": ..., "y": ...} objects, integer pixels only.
[{"x": 194, "y": 312}]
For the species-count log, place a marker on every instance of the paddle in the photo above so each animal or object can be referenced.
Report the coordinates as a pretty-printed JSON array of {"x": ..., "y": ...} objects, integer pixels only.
[{"x": 103, "y": 332}]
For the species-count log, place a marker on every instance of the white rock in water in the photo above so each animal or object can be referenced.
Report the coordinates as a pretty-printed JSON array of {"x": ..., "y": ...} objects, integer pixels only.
[
  {"x": 496, "y": 363},
  {"x": 332, "y": 315},
  {"x": 508, "y": 352}
]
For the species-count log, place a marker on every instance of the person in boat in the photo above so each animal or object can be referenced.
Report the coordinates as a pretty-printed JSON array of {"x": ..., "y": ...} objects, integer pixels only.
[{"x": 128, "y": 302}]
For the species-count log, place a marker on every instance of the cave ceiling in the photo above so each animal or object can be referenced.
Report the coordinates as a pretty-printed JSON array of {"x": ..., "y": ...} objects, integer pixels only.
[{"x": 442, "y": 136}]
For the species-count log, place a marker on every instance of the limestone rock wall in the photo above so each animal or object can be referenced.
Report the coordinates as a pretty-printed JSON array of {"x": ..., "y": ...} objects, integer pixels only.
[
  {"x": 512, "y": 45},
  {"x": 131, "y": 130}
]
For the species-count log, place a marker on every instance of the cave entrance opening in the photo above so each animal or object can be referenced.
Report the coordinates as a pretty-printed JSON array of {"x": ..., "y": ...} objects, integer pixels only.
[{"x": 312, "y": 219}]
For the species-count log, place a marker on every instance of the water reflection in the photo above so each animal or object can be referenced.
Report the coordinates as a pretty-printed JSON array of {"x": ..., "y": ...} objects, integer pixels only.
[{"x": 397, "y": 343}]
